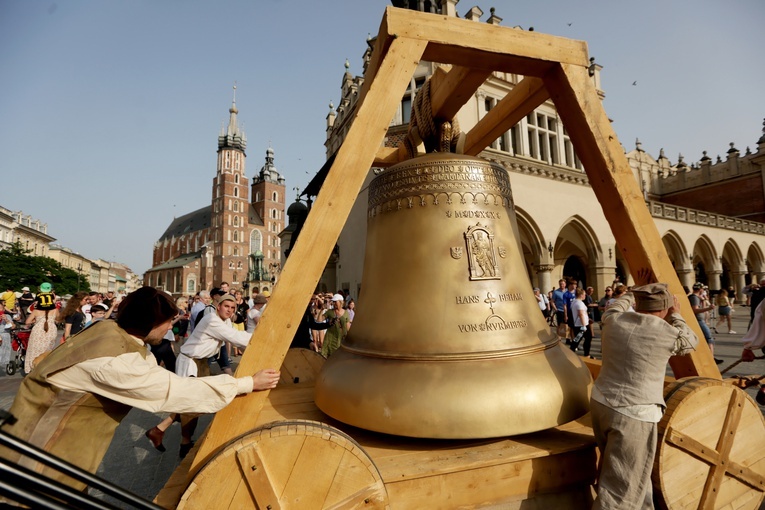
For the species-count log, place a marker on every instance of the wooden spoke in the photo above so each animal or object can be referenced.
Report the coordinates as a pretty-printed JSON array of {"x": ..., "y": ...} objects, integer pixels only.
[{"x": 711, "y": 453}]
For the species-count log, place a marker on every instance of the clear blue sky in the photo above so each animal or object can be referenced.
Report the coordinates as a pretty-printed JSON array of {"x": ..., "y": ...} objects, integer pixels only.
[{"x": 110, "y": 110}]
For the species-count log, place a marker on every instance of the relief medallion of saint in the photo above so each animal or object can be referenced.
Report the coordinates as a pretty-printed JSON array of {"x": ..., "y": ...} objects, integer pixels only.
[{"x": 482, "y": 260}]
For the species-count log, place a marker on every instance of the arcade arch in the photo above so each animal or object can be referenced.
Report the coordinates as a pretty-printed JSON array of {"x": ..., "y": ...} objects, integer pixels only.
[{"x": 705, "y": 264}]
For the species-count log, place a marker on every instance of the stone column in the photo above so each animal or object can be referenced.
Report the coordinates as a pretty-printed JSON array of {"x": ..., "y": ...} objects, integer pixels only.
[
  {"x": 604, "y": 276},
  {"x": 714, "y": 279},
  {"x": 740, "y": 284},
  {"x": 686, "y": 275},
  {"x": 544, "y": 277}
]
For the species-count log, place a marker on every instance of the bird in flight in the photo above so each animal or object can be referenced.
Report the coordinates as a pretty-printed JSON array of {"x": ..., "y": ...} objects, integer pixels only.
[{"x": 634, "y": 82}]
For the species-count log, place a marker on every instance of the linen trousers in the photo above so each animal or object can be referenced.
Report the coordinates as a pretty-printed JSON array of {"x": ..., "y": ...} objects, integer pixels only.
[{"x": 627, "y": 448}]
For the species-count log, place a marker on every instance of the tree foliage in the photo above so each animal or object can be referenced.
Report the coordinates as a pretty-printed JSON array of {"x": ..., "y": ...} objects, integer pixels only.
[{"x": 18, "y": 269}]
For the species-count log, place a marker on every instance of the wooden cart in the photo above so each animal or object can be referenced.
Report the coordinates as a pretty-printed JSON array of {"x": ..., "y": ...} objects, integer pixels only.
[{"x": 277, "y": 450}]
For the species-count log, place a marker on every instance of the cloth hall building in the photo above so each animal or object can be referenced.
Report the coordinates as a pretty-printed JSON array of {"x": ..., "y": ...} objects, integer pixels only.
[
  {"x": 709, "y": 213},
  {"x": 234, "y": 239}
]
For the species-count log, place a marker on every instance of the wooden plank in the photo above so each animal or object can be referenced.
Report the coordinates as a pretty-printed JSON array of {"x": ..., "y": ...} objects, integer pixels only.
[
  {"x": 447, "y": 35},
  {"x": 614, "y": 184},
  {"x": 519, "y": 102},
  {"x": 277, "y": 326},
  {"x": 386, "y": 156},
  {"x": 255, "y": 475},
  {"x": 312, "y": 473},
  {"x": 449, "y": 91},
  {"x": 496, "y": 485}
]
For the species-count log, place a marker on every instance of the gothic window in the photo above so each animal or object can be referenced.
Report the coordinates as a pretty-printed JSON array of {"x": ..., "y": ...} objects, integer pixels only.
[
  {"x": 236, "y": 206},
  {"x": 571, "y": 159},
  {"x": 236, "y": 252},
  {"x": 236, "y": 177},
  {"x": 236, "y": 192},
  {"x": 543, "y": 137},
  {"x": 236, "y": 236},
  {"x": 275, "y": 197},
  {"x": 257, "y": 196},
  {"x": 406, "y": 102},
  {"x": 231, "y": 265},
  {"x": 236, "y": 221},
  {"x": 235, "y": 279},
  {"x": 256, "y": 241},
  {"x": 191, "y": 284},
  {"x": 177, "y": 282}
]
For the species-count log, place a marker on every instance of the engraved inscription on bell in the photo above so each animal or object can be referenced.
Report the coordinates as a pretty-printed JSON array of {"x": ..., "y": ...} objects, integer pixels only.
[{"x": 481, "y": 259}]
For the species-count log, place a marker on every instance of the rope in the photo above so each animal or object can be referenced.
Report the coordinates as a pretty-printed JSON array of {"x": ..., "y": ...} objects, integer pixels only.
[{"x": 438, "y": 135}]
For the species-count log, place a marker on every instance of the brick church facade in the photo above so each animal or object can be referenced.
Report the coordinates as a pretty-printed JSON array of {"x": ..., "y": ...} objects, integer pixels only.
[{"x": 234, "y": 239}]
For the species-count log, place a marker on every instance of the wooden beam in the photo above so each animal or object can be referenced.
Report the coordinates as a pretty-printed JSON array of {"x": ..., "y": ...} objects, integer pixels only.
[
  {"x": 449, "y": 91},
  {"x": 387, "y": 156},
  {"x": 448, "y": 36},
  {"x": 614, "y": 184},
  {"x": 272, "y": 338},
  {"x": 519, "y": 102}
]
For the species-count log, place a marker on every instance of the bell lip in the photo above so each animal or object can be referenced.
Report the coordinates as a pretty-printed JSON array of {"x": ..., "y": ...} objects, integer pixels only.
[{"x": 355, "y": 403}]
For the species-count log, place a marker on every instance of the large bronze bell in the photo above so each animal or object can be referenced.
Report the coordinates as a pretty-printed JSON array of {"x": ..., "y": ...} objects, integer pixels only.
[{"x": 449, "y": 341}]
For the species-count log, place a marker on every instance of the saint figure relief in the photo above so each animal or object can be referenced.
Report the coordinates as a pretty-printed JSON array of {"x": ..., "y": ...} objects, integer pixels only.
[{"x": 480, "y": 247}]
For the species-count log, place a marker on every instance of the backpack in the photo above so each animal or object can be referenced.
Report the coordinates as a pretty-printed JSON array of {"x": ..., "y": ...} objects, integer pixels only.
[{"x": 202, "y": 314}]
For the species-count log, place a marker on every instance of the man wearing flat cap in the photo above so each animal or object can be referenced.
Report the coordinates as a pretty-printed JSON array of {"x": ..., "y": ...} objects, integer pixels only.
[
  {"x": 627, "y": 398},
  {"x": 72, "y": 402}
]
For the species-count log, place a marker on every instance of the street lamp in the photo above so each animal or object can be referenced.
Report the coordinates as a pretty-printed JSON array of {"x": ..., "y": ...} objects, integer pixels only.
[{"x": 79, "y": 268}]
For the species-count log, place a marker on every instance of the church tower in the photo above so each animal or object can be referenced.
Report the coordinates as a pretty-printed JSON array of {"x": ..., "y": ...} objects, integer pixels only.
[
  {"x": 268, "y": 199},
  {"x": 230, "y": 205}
]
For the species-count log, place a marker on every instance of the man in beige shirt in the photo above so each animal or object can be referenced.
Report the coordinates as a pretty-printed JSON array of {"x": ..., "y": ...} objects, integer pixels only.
[
  {"x": 627, "y": 398},
  {"x": 71, "y": 403}
]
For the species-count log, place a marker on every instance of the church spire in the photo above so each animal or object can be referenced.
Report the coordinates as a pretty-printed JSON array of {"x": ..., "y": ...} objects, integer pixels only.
[{"x": 233, "y": 137}]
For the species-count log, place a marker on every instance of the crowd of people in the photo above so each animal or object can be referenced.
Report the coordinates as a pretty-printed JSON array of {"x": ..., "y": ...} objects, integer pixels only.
[
  {"x": 103, "y": 368},
  {"x": 156, "y": 354},
  {"x": 573, "y": 311}
]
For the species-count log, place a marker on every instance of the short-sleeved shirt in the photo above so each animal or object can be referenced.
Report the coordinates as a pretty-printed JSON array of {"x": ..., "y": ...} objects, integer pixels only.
[
  {"x": 696, "y": 303},
  {"x": 558, "y": 299},
  {"x": 576, "y": 306},
  {"x": 77, "y": 320},
  {"x": 568, "y": 298}
]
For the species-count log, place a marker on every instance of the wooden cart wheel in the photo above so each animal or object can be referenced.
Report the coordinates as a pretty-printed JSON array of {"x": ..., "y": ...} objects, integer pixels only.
[
  {"x": 711, "y": 448},
  {"x": 298, "y": 464}
]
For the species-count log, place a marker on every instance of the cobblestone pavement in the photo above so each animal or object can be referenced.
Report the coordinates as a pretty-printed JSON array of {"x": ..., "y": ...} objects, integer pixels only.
[{"x": 132, "y": 463}]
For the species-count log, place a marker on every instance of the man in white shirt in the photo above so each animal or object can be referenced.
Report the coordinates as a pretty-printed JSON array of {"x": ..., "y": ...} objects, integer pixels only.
[
  {"x": 207, "y": 338},
  {"x": 204, "y": 342},
  {"x": 71, "y": 403}
]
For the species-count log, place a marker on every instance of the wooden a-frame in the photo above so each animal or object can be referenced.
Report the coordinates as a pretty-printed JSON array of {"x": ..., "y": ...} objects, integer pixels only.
[{"x": 554, "y": 68}]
